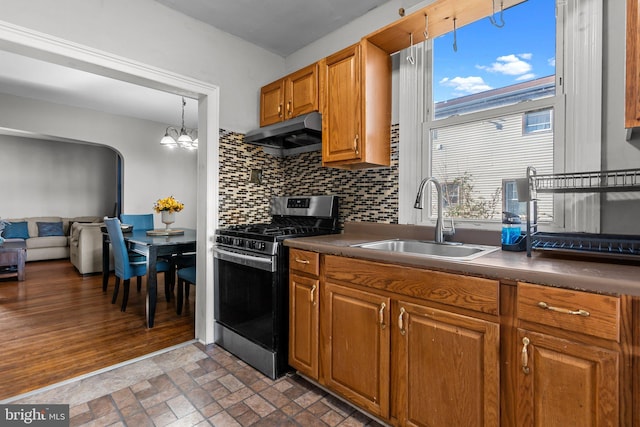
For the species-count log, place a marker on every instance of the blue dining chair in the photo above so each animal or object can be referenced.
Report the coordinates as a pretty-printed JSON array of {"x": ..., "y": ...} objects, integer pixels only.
[
  {"x": 186, "y": 278},
  {"x": 144, "y": 222},
  {"x": 126, "y": 268},
  {"x": 139, "y": 221}
]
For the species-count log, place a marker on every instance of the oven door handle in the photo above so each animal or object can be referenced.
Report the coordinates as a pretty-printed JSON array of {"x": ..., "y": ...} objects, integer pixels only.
[{"x": 253, "y": 261}]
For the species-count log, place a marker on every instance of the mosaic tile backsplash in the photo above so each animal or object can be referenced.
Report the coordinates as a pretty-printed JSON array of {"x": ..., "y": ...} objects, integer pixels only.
[{"x": 365, "y": 195}]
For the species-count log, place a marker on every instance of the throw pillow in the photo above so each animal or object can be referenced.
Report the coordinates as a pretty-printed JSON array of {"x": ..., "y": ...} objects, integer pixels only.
[
  {"x": 49, "y": 229},
  {"x": 16, "y": 230}
]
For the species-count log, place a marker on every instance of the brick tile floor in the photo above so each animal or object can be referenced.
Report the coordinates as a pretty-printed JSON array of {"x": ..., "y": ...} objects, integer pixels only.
[{"x": 217, "y": 390}]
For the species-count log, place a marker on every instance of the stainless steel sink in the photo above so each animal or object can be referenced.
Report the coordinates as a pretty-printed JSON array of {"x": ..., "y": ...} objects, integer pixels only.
[{"x": 457, "y": 251}]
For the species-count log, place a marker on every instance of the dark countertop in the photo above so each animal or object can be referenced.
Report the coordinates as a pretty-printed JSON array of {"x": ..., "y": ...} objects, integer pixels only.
[{"x": 577, "y": 273}]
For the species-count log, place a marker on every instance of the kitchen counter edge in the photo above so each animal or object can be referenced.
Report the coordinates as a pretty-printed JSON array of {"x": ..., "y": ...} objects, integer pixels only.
[{"x": 577, "y": 274}]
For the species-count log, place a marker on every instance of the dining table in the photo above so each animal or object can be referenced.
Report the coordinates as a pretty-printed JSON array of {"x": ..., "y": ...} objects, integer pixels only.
[{"x": 153, "y": 247}]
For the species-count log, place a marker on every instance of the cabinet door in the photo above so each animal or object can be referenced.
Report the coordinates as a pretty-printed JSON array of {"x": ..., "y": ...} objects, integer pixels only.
[
  {"x": 303, "y": 324},
  {"x": 356, "y": 346},
  {"x": 302, "y": 91},
  {"x": 271, "y": 103},
  {"x": 448, "y": 367},
  {"x": 563, "y": 383},
  {"x": 341, "y": 115},
  {"x": 632, "y": 106}
]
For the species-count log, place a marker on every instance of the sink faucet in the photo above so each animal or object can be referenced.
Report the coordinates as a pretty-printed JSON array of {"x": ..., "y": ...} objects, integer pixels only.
[{"x": 439, "y": 231}]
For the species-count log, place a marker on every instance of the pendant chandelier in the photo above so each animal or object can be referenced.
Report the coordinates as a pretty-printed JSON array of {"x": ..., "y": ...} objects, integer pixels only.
[{"x": 183, "y": 138}]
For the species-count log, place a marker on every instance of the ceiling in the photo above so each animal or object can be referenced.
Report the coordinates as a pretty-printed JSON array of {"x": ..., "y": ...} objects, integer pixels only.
[
  {"x": 36, "y": 79},
  {"x": 280, "y": 26}
]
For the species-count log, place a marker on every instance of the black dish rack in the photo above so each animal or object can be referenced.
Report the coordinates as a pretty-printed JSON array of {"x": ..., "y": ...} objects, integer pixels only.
[
  {"x": 586, "y": 244},
  {"x": 625, "y": 247}
]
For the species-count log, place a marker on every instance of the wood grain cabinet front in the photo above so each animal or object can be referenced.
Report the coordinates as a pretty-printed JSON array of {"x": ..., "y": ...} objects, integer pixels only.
[
  {"x": 303, "y": 324},
  {"x": 632, "y": 93},
  {"x": 304, "y": 306},
  {"x": 566, "y": 383},
  {"x": 416, "y": 347},
  {"x": 356, "y": 346},
  {"x": 356, "y": 107},
  {"x": 289, "y": 97},
  {"x": 569, "y": 358},
  {"x": 425, "y": 365},
  {"x": 448, "y": 368}
]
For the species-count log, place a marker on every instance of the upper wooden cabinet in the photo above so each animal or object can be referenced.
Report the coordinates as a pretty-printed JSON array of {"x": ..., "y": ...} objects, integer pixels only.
[
  {"x": 356, "y": 107},
  {"x": 290, "y": 96},
  {"x": 632, "y": 105}
]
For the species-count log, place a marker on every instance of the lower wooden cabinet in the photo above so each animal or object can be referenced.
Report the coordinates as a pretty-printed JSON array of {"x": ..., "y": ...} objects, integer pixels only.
[
  {"x": 304, "y": 312},
  {"x": 356, "y": 346},
  {"x": 563, "y": 383},
  {"x": 448, "y": 368},
  {"x": 303, "y": 324},
  {"x": 570, "y": 358},
  {"x": 416, "y": 347}
]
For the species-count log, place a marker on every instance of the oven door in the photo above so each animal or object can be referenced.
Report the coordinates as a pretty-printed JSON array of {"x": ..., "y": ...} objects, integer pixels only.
[{"x": 245, "y": 289}]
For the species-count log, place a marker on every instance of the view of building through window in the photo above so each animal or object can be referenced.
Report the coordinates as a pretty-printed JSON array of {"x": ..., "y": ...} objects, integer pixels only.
[{"x": 482, "y": 129}]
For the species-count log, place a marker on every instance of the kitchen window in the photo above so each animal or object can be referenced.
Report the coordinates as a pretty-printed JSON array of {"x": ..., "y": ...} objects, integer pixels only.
[{"x": 486, "y": 98}]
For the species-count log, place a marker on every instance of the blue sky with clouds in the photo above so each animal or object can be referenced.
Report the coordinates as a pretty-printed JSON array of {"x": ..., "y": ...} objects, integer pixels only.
[{"x": 488, "y": 57}]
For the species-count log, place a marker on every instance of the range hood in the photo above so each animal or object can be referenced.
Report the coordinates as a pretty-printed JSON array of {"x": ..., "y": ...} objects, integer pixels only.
[{"x": 301, "y": 131}]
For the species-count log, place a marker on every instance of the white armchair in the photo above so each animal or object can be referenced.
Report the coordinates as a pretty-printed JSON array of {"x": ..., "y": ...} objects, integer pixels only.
[{"x": 85, "y": 247}]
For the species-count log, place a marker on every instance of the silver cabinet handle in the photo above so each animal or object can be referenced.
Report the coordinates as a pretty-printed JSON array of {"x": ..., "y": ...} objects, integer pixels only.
[{"x": 302, "y": 261}]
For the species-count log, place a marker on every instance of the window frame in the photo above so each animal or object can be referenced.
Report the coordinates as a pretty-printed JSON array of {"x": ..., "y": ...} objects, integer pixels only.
[
  {"x": 536, "y": 131},
  {"x": 576, "y": 99}
]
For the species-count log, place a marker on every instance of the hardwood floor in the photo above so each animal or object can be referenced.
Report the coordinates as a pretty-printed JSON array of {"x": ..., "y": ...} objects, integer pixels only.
[{"x": 57, "y": 325}]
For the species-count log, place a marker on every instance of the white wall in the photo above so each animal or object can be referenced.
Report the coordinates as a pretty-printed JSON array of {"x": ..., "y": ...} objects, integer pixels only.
[
  {"x": 53, "y": 178},
  {"x": 150, "y": 171},
  {"x": 351, "y": 33},
  {"x": 153, "y": 34}
]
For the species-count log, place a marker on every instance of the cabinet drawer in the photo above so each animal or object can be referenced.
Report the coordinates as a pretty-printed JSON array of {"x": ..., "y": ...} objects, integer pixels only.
[
  {"x": 583, "y": 312},
  {"x": 305, "y": 261},
  {"x": 470, "y": 293}
]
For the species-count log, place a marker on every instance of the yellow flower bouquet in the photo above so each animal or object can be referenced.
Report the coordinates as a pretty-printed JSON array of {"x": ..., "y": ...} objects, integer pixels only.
[{"x": 168, "y": 204}]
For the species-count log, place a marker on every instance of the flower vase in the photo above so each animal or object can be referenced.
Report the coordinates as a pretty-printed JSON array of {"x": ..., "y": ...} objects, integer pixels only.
[{"x": 168, "y": 218}]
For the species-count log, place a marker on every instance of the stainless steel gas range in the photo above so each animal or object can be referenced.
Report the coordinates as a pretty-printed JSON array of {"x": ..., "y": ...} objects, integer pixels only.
[{"x": 252, "y": 275}]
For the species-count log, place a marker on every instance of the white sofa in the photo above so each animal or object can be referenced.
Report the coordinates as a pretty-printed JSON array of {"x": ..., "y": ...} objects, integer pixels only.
[{"x": 85, "y": 247}]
